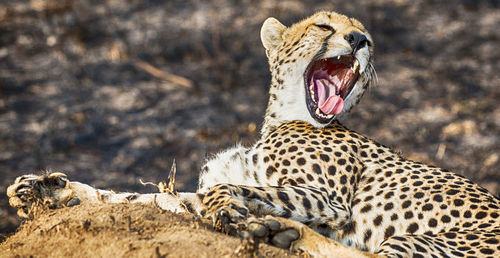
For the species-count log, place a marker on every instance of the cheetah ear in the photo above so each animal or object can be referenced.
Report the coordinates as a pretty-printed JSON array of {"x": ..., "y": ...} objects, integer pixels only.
[{"x": 271, "y": 32}]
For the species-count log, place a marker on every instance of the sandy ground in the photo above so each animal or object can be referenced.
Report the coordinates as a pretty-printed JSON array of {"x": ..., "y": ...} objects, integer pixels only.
[
  {"x": 110, "y": 92},
  {"x": 108, "y": 230}
]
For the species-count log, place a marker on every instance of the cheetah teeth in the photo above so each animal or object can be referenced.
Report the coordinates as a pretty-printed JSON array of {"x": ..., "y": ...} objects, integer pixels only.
[
  {"x": 355, "y": 66},
  {"x": 320, "y": 114}
]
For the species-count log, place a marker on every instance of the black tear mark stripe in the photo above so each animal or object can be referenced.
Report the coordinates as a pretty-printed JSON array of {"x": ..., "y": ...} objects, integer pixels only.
[{"x": 322, "y": 50}]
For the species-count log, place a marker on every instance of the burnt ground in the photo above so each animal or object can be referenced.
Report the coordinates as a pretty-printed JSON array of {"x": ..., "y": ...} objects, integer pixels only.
[{"x": 111, "y": 93}]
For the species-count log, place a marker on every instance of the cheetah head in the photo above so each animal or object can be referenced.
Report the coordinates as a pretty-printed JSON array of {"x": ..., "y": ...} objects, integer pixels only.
[{"x": 320, "y": 67}]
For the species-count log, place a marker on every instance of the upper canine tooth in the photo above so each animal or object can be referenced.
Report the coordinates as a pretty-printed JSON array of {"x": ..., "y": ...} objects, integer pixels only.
[
  {"x": 338, "y": 57},
  {"x": 355, "y": 66}
]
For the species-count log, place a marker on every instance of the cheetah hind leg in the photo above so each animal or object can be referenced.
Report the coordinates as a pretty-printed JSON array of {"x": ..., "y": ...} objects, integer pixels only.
[
  {"x": 297, "y": 237},
  {"x": 48, "y": 190},
  {"x": 30, "y": 192}
]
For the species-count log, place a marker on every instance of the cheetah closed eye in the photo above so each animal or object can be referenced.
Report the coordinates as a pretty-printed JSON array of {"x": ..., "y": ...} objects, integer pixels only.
[{"x": 309, "y": 183}]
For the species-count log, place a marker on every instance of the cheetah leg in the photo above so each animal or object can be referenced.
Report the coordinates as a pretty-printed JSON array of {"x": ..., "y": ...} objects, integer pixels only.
[
  {"x": 56, "y": 191},
  {"x": 297, "y": 237},
  {"x": 227, "y": 205},
  {"x": 479, "y": 243}
]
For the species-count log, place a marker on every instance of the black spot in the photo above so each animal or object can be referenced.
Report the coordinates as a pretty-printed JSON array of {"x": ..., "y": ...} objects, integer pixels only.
[
  {"x": 445, "y": 219},
  {"x": 341, "y": 162},
  {"x": 245, "y": 191},
  {"x": 321, "y": 206},
  {"x": 486, "y": 251},
  {"x": 467, "y": 224},
  {"x": 427, "y": 207},
  {"x": 324, "y": 157},
  {"x": 457, "y": 253},
  {"x": 419, "y": 248},
  {"x": 406, "y": 204},
  {"x": 286, "y": 213},
  {"x": 255, "y": 158},
  {"x": 270, "y": 170},
  {"x": 368, "y": 234},
  {"x": 458, "y": 202},
  {"x": 398, "y": 248},
  {"x": 301, "y": 161},
  {"x": 389, "y": 195},
  {"x": 299, "y": 191},
  {"x": 343, "y": 190},
  {"x": 343, "y": 179},
  {"x": 419, "y": 195},
  {"x": 332, "y": 170},
  {"x": 491, "y": 241},
  {"x": 408, "y": 215},
  {"x": 306, "y": 203},
  {"x": 418, "y": 183},
  {"x": 480, "y": 215},
  {"x": 292, "y": 149},
  {"x": 388, "y": 206},
  {"x": 452, "y": 192},
  {"x": 378, "y": 220},
  {"x": 412, "y": 228},
  {"x": 450, "y": 235},
  {"x": 283, "y": 197},
  {"x": 467, "y": 214},
  {"x": 317, "y": 169},
  {"x": 366, "y": 208},
  {"x": 389, "y": 231},
  {"x": 437, "y": 198}
]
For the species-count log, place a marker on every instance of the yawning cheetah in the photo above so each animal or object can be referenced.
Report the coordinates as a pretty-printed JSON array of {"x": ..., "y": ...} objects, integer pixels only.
[{"x": 309, "y": 183}]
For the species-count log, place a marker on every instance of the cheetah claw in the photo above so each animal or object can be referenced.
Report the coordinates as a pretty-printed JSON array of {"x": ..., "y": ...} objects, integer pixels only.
[
  {"x": 229, "y": 218},
  {"x": 48, "y": 190}
]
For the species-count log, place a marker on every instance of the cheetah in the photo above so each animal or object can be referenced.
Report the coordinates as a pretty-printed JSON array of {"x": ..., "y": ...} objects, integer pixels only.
[{"x": 310, "y": 184}]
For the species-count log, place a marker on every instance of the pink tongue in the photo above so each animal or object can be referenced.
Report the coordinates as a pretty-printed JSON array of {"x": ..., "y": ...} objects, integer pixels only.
[{"x": 328, "y": 102}]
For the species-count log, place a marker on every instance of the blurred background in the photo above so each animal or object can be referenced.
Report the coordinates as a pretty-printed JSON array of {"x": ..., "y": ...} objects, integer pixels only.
[{"x": 111, "y": 91}]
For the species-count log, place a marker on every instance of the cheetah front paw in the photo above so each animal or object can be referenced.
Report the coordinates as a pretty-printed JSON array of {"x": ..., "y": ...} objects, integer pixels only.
[
  {"x": 279, "y": 232},
  {"x": 229, "y": 217},
  {"x": 48, "y": 190}
]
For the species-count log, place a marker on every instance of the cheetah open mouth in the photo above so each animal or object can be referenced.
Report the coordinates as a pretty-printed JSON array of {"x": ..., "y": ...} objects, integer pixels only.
[{"x": 328, "y": 83}]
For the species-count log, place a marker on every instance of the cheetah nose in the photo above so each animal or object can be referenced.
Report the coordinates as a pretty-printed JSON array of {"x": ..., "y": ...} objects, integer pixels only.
[{"x": 356, "y": 40}]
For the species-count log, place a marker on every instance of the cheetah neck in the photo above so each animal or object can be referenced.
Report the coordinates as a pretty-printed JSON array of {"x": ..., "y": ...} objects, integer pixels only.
[{"x": 287, "y": 102}]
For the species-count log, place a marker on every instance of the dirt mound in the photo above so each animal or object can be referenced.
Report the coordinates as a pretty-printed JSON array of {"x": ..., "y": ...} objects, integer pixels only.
[{"x": 117, "y": 230}]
